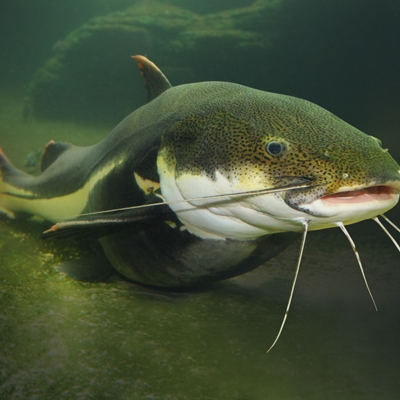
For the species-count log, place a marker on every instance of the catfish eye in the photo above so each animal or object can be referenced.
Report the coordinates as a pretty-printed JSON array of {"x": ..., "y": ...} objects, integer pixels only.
[{"x": 275, "y": 148}]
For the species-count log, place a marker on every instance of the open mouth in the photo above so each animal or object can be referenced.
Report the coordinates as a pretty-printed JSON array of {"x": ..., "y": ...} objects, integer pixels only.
[{"x": 377, "y": 193}]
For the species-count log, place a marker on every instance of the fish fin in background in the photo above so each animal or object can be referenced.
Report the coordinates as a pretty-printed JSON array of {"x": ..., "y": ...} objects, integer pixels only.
[
  {"x": 155, "y": 81},
  {"x": 95, "y": 226},
  {"x": 96, "y": 269},
  {"x": 51, "y": 152}
]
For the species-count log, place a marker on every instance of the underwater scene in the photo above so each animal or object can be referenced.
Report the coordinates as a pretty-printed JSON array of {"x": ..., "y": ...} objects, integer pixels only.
[{"x": 156, "y": 258}]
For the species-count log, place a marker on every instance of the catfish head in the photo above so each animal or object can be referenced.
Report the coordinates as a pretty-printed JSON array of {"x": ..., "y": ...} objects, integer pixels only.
[{"x": 303, "y": 163}]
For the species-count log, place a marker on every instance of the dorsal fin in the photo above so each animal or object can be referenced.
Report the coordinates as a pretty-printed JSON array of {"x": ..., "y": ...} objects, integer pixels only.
[
  {"x": 155, "y": 81},
  {"x": 51, "y": 152}
]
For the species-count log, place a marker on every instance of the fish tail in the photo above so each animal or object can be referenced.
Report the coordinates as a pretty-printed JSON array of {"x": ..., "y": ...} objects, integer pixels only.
[
  {"x": 8, "y": 191},
  {"x": 4, "y": 167}
]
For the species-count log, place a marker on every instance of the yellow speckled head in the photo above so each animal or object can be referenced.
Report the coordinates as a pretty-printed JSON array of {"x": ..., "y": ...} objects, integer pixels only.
[
  {"x": 254, "y": 140},
  {"x": 269, "y": 139}
]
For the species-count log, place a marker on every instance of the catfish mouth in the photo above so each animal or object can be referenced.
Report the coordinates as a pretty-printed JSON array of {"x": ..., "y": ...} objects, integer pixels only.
[
  {"x": 373, "y": 193},
  {"x": 350, "y": 206}
]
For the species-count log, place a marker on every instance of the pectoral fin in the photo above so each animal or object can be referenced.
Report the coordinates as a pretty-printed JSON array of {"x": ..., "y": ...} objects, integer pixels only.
[{"x": 98, "y": 225}]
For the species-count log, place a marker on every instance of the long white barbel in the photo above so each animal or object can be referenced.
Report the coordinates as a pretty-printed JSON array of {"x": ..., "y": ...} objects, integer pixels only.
[
  {"x": 376, "y": 219},
  {"x": 390, "y": 222},
  {"x": 303, "y": 242},
  {"x": 353, "y": 246},
  {"x": 212, "y": 197}
]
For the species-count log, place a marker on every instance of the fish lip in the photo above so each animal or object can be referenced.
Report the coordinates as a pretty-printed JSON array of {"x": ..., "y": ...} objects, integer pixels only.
[
  {"x": 346, "y": 201},
  {"x": 363, "y": 193}
]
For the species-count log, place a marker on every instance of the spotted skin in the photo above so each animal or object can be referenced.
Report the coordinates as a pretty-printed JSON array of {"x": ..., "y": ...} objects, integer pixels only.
[{"x": 233, "y": 140}]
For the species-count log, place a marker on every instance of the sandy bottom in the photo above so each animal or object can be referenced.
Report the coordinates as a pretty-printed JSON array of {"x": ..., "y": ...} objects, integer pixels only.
[{"x": 62, "y": 339}]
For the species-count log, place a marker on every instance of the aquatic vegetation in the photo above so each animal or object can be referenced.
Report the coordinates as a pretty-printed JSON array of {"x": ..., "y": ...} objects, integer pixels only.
[{"x": 86, "y": 63}]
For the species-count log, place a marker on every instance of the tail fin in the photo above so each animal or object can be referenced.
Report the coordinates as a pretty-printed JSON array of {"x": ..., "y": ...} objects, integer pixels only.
[
  {"x": 4, "y": 162},
  {"x": 7, "y": 174},
  {"x": 22, "y": 194}
]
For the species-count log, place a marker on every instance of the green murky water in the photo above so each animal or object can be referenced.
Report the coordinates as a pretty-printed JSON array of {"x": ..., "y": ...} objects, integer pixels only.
[
  {"x": 69, "y": 340},
  {"x": 62, "y": 339}
]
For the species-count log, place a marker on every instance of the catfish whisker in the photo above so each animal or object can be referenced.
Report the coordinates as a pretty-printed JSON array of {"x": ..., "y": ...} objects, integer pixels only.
[
  {"x": 303, "y": 242},
  {"x": 390, "y": 222},
  {"x": 213, "y": 197},
  {"x": 353, "y": 246},
  {"x": 376, "y": 219}
]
